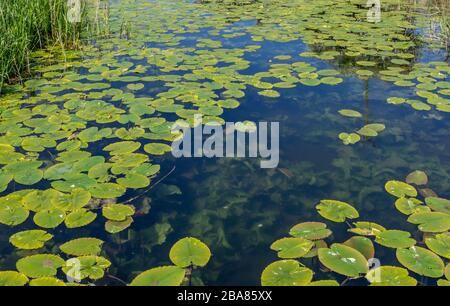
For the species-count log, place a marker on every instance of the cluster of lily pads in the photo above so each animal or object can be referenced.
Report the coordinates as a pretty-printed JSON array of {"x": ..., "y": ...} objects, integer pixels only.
[
  {"x": 429, "y": 257},
  {"x": 84, "y": 263},
  {"x": 368, "y": 130}
]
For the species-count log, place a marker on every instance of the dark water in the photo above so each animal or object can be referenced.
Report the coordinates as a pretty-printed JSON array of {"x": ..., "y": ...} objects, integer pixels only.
[{"x": 239, "y": 209}]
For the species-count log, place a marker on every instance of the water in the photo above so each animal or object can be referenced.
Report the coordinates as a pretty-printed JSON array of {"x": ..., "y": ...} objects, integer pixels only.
[{"x": 235, "y": 207}]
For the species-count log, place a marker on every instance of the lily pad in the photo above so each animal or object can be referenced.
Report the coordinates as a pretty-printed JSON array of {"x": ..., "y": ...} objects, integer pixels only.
[
  {"x": 82, "y": 247},
  {"x": 135, "y": 181},
  {"x": 12, "y": 279},
  {"x": 390, "y": 276},
  {"x": 310, "y": 230},
  {"x": 367, "y": 228},
  {"x": 286, "y": 273},
  {"x": 431, "y": 222},
  {"x": 12, "y": 213},
  {"x": 189, "y": 251},
  {"x": 117, "y": 212},
  {"x": 114, "y": 227},
  {"x": 363, "y": 245},
  {"x": 80, "y": 268},
  {"x": 395, "y": 239},
  {"x": 292, "y": 247},
  {"x": 161, "y": 276},
  {"x": 29, "y": 240},
  {"x": 47, "y": 282},
  {"x": 439, "y": 244},
  {"x": 438, "y": 204},
  {"x": 344, "y": 260},
  {"x": 421, "y": 261},
  {"x": 40, "y": 265},
  {"x": 157, "y": 148},
  {"x": 79, "y": 218},
  {"x": 49, "y": 218},
  {"x": 336, "y": 211},
  {"x": 400, "y": 189},
  {"x": 107, "y": 191},
  {"x": 417, "y": 178},
  {"x": 350, "y": 113},
  {"x": 349, "y": 139}
]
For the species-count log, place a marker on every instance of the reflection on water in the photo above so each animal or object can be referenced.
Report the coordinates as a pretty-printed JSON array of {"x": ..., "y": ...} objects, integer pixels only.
[{"x": 233, "y": 205}]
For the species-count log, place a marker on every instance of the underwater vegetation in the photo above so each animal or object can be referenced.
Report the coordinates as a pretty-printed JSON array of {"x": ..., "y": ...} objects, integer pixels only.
[{"x": 85, "y": 143}]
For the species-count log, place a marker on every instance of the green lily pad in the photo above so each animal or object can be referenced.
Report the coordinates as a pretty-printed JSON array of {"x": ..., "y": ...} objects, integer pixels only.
[
  {"x": 417, "y": 178},
  {"x": 421, "y": 261},
  {"x": 114, "y": 227},
  {"x": 160, "y": 276},
  {"x": 431, "y": 222},
  {"x": 117, "y": 212},
  {"x": 40, "y": 265},
  {"x": 38, "y": 200},
  {"x": 409, "y": 206},
  {"x": 29, "y": 240},
  {"x": 28, "y": 176},
  {"x": 292, "y": 247},
  {"x": 438, "y": 204},
  {"x": 107, "y": 191},
  {"x": 12, "y": 213},
  {"x": 286, "y": 273},
  {"x": 122, "y": 147},
  {"x": 134, "y": 181},
  {"x": 47, "y": 282},
  {"x": 390, "y": 276},
  {"x": 310, "y": 230},
  {"x": 400, "y": 189},
  {"x": 364, "y": 228},
  {"x": 336, "y": 211},
  {"x": 395, "y": 239},
  {"x": 82, "y": 247},
  {"x": 440, "y": 244},
  {"x": 363, "y": 245},
  {"x": 49, "y": 218},
  {"x": 78, "y": 198},
  {"x": 80, "y": 268},
  {"x": 350, "y": 113},
  {"x": 79, "y": 218},
  {"x": 189, "y": 251},
  {"x": 344, "y": 260},
  {"x": 349, "y": 139},
  {"x": 12, "y": 279},
  {"x": 157, "y": 148}
]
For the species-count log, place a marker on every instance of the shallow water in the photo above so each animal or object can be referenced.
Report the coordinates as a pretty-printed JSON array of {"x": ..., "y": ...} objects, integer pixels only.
[{"x": 232, "y": 205}]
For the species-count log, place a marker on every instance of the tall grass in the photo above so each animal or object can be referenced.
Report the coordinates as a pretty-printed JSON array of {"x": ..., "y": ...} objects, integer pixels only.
[{"x": 26, "y": 25}]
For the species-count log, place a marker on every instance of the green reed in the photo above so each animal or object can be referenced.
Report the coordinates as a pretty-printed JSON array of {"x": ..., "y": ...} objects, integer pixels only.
[{"x": 26, "y": 25}]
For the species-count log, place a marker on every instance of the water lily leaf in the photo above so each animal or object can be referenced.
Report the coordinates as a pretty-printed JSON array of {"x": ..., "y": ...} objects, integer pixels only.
[
  {"x": 324, "y": 283},
  {"x": 28, "y": 176},
  {"x": 29, "y": 240},
  {"x": 80, "y": 268},
  {"x": 440, "y": 244},
  {"x": 438, "y": 204},
  {"x": 79, "y": 218},
  {"x": 349, "y": 139},
  {"x": 12, "y": 279},
  {"x": 114, "y": 227},
  {"x": 269, "y": 93},
  {"x": 292, "y": 247},
  {"x": 157, "y": 148},
  {"x": 443, "y": 283},
  {"x": 417, "y": 177},
  {"x": 390, "y": 276},
  {"x": 47, "y": 282},
  {"x": 40, "y": 265},
  {"x": 189, "y": 251},
  {"x": 421, "y": 261},
  {"x": 107, "y": 191},
  {"x": 400, "y": 189},
  {"x": 161, "y": 276},
  {"x": 38, "y": 200},
  {"x": 117, "y": 212},
  {"x": 409, "y": 206},
  {"x": 82, "y": 247},
  {"x": 78, "y": 198},
  {"x": 286, "y": 273},
  {"x": 51, "y": 218},
  {"x": 134, "y": 181},
  {"x": 431, "y": 222},
  {"x": 336, "y": 211},
  {"x": 122, "y": 147},
  {"x": 363, "y": 245},
  {"x": 344, "y": 260},
  {"x": 366, "y": 228},
  {"x": 318, "y": 244},
  {"x": 12, "y": 213},
  {"x": 310, "y": 230},
  {"x": 395, "y": 239},
  {"x": 350, "y": 113}
]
